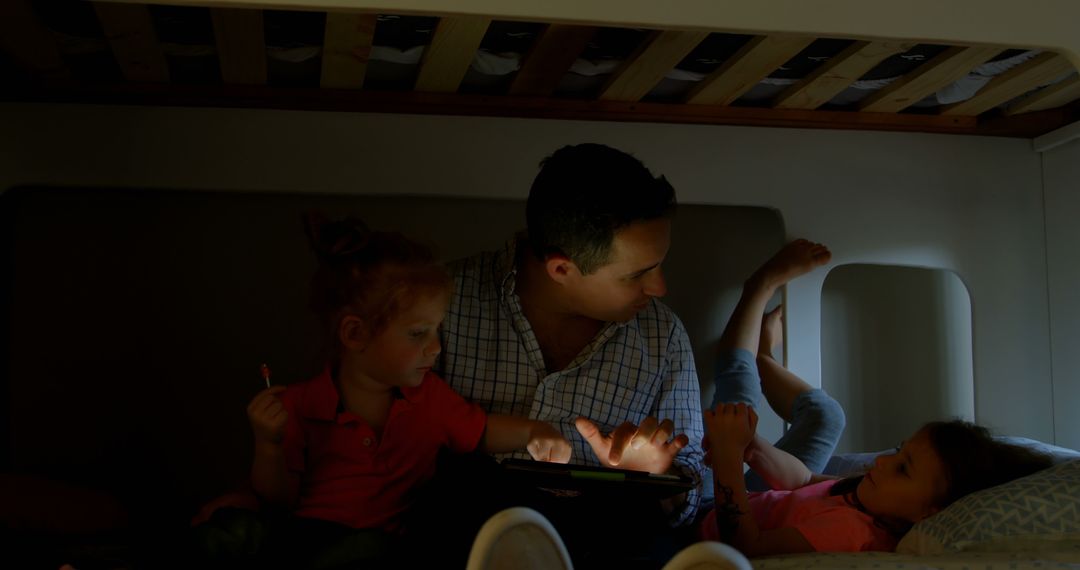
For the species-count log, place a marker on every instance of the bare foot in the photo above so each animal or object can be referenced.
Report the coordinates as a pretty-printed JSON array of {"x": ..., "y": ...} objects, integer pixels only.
[
  {"x": 772, "y": 330},
  {"x": 794, "y": 259}
]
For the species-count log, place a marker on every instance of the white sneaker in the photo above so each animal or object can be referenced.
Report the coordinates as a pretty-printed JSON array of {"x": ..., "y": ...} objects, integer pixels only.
[
  {"x": 518, "y": 539},
  {"x": 708, "y": 556}
]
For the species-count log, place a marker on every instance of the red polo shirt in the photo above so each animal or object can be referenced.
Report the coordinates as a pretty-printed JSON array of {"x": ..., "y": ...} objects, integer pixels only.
[{"x": 350, "y": 475}]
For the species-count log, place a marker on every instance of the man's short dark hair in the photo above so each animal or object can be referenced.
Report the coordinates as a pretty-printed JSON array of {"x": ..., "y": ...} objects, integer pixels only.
[{"x": 583, "y": 195}]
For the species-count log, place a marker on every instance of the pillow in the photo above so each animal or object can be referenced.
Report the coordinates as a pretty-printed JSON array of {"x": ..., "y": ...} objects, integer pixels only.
[
  {"x": 1031, "y": 513},
  {"x": 845, "y": 464}
]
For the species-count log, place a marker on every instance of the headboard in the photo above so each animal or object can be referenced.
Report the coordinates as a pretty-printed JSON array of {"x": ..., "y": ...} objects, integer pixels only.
[{"x": 139, "y": 318}]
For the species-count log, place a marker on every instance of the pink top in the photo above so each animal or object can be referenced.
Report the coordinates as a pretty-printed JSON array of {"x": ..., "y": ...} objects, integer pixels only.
[{"x": 827, "y": 522}]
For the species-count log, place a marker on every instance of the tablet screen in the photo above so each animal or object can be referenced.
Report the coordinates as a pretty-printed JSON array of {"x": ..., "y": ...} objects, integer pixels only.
[{"x": 571, "y": 479}]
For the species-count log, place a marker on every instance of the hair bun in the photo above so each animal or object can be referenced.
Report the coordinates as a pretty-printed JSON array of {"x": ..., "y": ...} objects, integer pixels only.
[{"x": 335, "y": 240}]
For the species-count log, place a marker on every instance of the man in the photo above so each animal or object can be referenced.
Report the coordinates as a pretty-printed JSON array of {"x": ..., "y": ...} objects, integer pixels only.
[{"x": 563, "y": 324}]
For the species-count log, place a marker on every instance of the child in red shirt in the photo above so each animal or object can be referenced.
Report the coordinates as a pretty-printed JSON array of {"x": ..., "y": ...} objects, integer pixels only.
[
  {"x": 340, "y": 457},
  {"x": 806, "y": 511}
]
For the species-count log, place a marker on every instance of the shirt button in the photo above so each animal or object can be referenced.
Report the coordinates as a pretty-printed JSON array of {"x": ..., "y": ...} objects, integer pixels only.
[{"x": 367, "y": 441}]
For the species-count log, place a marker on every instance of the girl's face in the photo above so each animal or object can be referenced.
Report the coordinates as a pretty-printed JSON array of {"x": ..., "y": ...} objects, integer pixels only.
[
  {"x": 404, "y": 351},
  {"x": 906, "y": 485}
]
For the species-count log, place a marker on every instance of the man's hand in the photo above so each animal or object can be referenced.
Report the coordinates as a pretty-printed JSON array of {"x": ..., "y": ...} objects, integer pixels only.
[
  {"x": 640, "y": 448},
  {"x": 729, "y": 430},
  {"x": 267, "y": 415},
  {"x": 548, "y": 444}
]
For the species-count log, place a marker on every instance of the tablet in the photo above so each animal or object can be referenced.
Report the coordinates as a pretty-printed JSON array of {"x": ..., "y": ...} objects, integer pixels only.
[{"x": 571, "y": 480}]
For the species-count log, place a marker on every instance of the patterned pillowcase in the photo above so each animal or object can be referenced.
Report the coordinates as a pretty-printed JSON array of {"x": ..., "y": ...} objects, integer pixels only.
[{"x": 1029, "y": 513}]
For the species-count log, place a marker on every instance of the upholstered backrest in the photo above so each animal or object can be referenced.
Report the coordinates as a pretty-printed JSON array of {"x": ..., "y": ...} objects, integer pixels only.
[{"x": 139, "y": 318}]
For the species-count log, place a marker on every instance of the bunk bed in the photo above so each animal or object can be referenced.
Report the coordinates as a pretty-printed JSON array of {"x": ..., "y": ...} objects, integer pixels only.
[
  {"x": 380, "y": 57},
  {"x": 369, "y": 56}
]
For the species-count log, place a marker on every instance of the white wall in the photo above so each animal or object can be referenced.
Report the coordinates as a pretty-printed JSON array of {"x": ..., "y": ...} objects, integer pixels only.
[
  {"x": 972, "y": 205},
  {"x": 1061, "y": 171},
  {"x": 895, "y": 350}
]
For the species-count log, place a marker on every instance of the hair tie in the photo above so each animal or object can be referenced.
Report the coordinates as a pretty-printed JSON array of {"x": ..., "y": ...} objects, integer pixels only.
[{"x": 332, "y": 241}]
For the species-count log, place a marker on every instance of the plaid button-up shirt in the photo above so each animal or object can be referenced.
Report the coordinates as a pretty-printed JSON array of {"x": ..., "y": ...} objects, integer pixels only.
[{"x": 644, "y": 367}]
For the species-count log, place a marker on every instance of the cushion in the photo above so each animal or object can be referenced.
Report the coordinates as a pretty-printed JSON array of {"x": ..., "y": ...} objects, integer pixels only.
[{"x": 1031, "y": 513}]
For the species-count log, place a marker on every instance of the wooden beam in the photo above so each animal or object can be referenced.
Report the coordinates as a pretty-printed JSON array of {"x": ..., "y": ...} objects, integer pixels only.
[
  {"x": 346, "y": 49},
  {"x": 29, "y": 45},
  {"x": 1057, "y": 137},
  {"x": 1025, "y": 77},
  {"x": 1028, "y": 125},
  {"x": 452, "y": 49},
  {"x": 942, "y": 70},
  {"x": 241, "y": 45},
  {"x": 659, "y": 54},
  {"x": 349, "y": 100},
  {"x": 1055, "y": 95},
  {"x": 134, "y": 43},
  {"x": 549, "y": 58},
  {"x": 836, "y": 74},
  {"x": 746, "y": 68}
]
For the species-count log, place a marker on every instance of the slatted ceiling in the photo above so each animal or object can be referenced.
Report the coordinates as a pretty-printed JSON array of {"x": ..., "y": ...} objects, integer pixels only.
[
  {"x": 452, "y": 49},
  {"x": 838, "y": 73},
  {"x": 552, "y": 54},
  {"x": 346, "y": 49},
  {"x": 241, "y": 45},
  {"x": 647, "y": 66},
  {"x": 944, "y": 69},
  {"x": 1039, "y": 70},
  {"x": 130, "y": 33},
  {"x": 27, "y": 43},
  {"x": 1056, "y": 95},
  {"x": 733, "y": 64},
  {"x": 746, "y": 68}
]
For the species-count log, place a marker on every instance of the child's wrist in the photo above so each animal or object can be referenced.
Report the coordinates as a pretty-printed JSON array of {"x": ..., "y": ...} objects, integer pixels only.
[
  {"x": 267, "y": 447},
  {"x": 727, "y": 454}
]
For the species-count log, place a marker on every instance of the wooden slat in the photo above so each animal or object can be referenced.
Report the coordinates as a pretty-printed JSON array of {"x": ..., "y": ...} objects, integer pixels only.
[
  {"x": 551, "y": 55},
  {"x": 659, "y": 54},
  {"x": 942, "y": 70},
  {"x": 1037, "y": 71},
  {"x": 746, "y": 68},
  {"x": 837, "y": 73},
  {"x": 452, "y": 49},
  {"x": 29, "y": 45},
  {"x": 346, "y": 49},
  {"x": 131, "y": 35},
  {"x": 241, "y": 45},
  {"x": 1055, "y": 95}
]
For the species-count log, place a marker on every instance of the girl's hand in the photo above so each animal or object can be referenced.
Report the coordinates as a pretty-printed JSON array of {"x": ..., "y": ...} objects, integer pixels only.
[
  {"x": 730, "y": 429},
  {"x": 267, "y": 415},
  {"x": 548, "y": 444}
]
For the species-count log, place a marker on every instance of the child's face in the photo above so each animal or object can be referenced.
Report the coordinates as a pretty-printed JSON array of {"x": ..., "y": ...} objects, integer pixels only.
[
  {"x": 404, "y": 351},
  {"x": 907, "y": 485}
]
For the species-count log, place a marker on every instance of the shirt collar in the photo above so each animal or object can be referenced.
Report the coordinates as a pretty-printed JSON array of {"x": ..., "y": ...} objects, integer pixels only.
[
  {"x": 506, "y": 265},
  {"x": 322, "y": 399}
]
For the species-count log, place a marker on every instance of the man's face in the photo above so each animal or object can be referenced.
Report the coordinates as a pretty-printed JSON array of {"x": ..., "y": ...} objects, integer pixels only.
[{"x": 627, "y": 283}]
